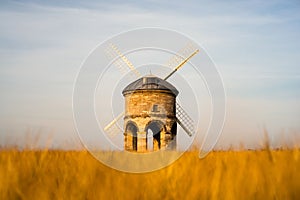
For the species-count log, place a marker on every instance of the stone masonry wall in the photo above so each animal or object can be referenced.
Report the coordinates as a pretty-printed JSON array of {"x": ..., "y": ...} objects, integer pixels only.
[{"x": 139, "y": 109}]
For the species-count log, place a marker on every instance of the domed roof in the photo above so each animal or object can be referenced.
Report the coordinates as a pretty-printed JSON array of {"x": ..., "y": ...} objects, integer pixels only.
[{"x": 150, "y": 82}]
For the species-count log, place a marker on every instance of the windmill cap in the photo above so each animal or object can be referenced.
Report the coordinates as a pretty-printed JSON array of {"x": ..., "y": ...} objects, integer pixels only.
[{"x": 150, "y": 82}]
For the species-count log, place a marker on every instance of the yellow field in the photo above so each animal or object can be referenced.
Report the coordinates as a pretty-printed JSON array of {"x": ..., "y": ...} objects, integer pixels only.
[{"x": 53, "y": 174}]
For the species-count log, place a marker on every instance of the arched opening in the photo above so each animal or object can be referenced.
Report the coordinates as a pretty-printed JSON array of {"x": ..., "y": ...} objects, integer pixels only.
[
  {"x": 153, "y": 131},
  {"x": 174, "y": 129},
  {"x": 132, "y": 129}
]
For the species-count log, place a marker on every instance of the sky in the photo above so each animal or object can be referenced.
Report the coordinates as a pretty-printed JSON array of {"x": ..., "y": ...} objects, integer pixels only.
[{"x": 254, "y": 44}]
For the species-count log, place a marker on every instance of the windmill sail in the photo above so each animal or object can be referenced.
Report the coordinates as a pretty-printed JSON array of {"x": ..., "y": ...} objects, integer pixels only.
[
  {"x": 123, "y": 65},
  {"x": 119, "y": 63},
  {"x": 114, "y": 121},
  {"x": 125, "y": 60},
  {"x": 183, "y": 53},
  {"x": 184, "y": 120},
  {"x": 182, "y": 63},
  {"x": 114, "y": 130}
]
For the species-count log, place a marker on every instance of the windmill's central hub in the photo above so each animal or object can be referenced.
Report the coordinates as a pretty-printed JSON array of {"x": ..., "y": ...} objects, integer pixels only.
[{"x": 150, "y": 115}]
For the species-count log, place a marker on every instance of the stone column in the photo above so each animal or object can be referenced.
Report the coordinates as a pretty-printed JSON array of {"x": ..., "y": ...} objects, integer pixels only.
[{"x": 142, "y": 142}]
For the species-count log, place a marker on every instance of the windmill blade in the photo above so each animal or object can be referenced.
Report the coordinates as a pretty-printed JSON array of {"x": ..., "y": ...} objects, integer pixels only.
[
  {"x": 113, "y": 51},
  {"x": 176, "y": 59},
  {"x": 182, "y": 63},
  {"x": 114, "y": 130},
  {"x": 184, "y": 120},
  {"x": 111, "y": 54},
  {"x": 180, "y": 55},
  {"x": 114, "y": 121},
  {"x": 111, "y": 127}
]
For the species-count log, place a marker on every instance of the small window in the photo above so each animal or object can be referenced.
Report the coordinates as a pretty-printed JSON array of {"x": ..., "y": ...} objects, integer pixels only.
[{"x": 155, "y": 108}]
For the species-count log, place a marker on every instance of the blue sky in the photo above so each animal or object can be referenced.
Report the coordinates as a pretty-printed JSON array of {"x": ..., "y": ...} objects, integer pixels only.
[{"x": 255, "y": 45}]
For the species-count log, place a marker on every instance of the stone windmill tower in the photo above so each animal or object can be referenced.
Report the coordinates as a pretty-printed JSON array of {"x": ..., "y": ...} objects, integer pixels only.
[
  {"x": 151, "y": 112},
  {"x": 150, "y": 115}
]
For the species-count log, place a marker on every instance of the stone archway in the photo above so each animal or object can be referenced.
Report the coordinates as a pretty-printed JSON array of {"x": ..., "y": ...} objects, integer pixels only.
[
  {"x": 131, "y": 131},
  {"x": 153, "y": 135}
]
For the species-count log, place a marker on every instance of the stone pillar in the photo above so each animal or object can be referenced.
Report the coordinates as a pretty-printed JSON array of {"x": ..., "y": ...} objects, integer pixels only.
[
  {"x": 142, "y": 142},
  {"x": 128, "y": 142},
  {"x": 162, "y": 139}
]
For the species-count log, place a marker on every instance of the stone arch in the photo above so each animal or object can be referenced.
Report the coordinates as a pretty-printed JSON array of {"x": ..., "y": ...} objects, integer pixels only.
[
  {"x": 132, "y": 129},
  {"x": 153, "y": 141}
]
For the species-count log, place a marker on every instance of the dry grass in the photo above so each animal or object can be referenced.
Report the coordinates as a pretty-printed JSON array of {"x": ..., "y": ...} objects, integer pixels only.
[{"x": 264, "y": 174}]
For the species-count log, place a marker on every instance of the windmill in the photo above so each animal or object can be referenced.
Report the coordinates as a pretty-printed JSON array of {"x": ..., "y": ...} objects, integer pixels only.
[{"x": 159, "y": 113}]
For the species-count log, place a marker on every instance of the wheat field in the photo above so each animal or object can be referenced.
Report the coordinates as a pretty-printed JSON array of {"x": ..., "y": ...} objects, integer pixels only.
[{"x": 56, "y": 174}]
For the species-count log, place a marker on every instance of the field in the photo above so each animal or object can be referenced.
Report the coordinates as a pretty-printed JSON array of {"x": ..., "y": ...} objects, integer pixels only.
[{"x": 55, "y": 174}]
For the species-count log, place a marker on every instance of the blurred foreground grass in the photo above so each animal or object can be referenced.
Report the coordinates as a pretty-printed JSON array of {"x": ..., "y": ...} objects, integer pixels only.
[{"x": 54, "y": 174}]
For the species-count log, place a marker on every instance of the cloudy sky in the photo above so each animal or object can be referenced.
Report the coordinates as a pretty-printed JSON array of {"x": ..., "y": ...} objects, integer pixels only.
[{"x": 255, "y": 45}]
